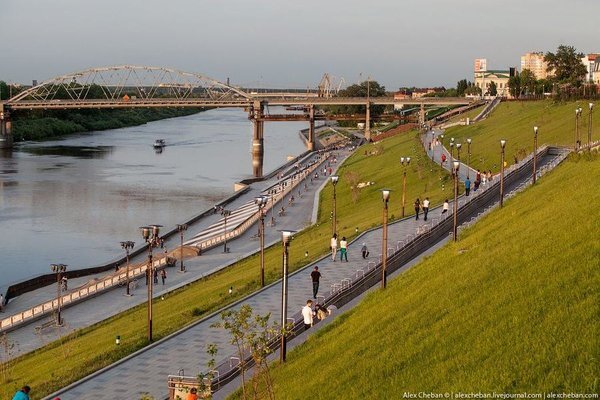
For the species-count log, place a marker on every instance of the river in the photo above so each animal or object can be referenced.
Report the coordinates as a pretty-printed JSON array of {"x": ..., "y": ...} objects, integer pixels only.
[{"x": 73, "y": 200}]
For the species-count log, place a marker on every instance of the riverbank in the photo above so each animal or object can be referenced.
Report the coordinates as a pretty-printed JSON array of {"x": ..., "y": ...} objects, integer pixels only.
[{"x": 43, "y": 125}]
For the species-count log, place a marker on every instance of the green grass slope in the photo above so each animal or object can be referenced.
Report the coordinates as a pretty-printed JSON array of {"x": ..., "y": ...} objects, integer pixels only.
[
  {"x": 514, "y": 121},
  {"x": 513, "y": 306}
]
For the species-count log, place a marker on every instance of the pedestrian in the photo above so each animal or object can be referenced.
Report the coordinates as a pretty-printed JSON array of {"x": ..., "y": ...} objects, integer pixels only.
[
  {"x": 163, "y": 275},
  {"x": 425, "y": 208},
  {"x": 193, "y": 394},
  {"x": 307, "y": 313},
  {"x": 417, "y": 208},
  {"x": 22, "y": 394},
  {"x": 443, "y": 158},
  {"x": 156, "y": 276},
  {"x": 467, "y": 186},
  {"x": 365, "y": 250},
  {"x": 333, "y": 246},
  {"x": 478, "y": 176},
  {"x": 315, "y": 275},
  {"x": 321, "y": 312},
  {"x": 1, "y": 302},
  {"x": 476, "y": 185},
  {"x": 445, "y": 207},
  {"x": 343, "y": 249}
]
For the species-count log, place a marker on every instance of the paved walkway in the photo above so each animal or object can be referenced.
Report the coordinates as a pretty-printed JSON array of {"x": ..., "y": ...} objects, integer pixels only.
[
  {"x": 147, "y": 370},
  {"x": 112, "y": 302}
]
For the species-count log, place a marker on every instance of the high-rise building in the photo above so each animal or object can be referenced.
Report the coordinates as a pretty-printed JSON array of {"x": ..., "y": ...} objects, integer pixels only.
[{"x": 534, "y": 62}]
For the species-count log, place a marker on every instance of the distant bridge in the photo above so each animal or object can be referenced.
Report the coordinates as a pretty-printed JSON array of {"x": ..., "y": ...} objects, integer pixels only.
[{"x": 130, "y": 86}]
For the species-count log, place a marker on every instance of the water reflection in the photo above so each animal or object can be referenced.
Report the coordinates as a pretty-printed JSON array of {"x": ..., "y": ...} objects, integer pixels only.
[{"x": 70, "y": 151}]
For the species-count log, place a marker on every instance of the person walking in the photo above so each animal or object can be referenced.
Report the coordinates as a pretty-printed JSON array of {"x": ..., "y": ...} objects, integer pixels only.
[
  {"x": 467, "y": 186},
  {"x": 334, "y": 245},
  {"x": 445, "y": 207},
  {"x": 163, "y": 275},
  {"x": 307, "y": 314},
  {"x": 343, "y": 249},
  {"x": 315, "y": 275},
  {"x": 22, "y": 394},
  {"x": 156, "y": 276},
  {"x": 417, "y": 208},
  {"x": 364, "y": 250},
  {"x": 425, "y": 208},
  {"x": 192, "y": 395}
]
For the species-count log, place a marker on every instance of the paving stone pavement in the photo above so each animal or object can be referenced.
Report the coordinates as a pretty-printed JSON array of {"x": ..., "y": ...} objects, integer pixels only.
[{"x": 147, "y": 371}]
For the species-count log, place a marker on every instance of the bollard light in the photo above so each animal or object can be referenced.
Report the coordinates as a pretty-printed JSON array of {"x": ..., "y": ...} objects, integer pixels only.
[{"x": 118, "y": 340}]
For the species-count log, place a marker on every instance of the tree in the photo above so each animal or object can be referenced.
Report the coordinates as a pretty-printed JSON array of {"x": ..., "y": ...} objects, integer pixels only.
[
  {"x": 363, "y": 89},
  {"x": 493, "y": 89},
  {"x": 3, "y": 90},
  {"x": 461, "y": 86},
  {"x": 514, "y": 86},
  {"x": 528, "y": 81},
  {"x": 566, "y": 65}
]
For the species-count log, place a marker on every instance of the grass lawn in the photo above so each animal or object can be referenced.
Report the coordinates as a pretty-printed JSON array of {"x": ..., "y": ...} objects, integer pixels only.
[
  {"x": 469, "y": 114},
  {"x": 514, "y": 121},
  {"x": 513, "y": 306},
  {"x": 64, "y": 361}
]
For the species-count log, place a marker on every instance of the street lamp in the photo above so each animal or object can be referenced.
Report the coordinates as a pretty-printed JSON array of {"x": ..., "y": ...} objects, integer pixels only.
[
  {"x": 286, "y": 235},
  {"x": 225, "y": 214},
  {"x": 535, "y": 134},
  {"x": 127, "y": 245},
  {"x": 468, "y": 156},
  {"x": 385, "y": 194},
  {"x": 458, "y": 146},
  {"x": 502, "y": 145},
  {"x": 442, "y": 150},
  {"x": 150, "y": 234},
  {"x": 578, "y": 112},
  {"x": 451, "y": 151},
  {"x": 456, "y": 166},
  {"x": 334, "y": 181},
  {"x": 405, "y": 163},
  {"x": 272, "y": 208},
  {"x": 58, "y": 269},
  {"x": 181, "y": 228},
  {"x": 261, "y": 202},
  {"x": 590, "y": 128}
]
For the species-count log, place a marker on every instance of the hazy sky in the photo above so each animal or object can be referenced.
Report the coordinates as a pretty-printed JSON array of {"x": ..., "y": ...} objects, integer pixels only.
[{"x": 289, "y": 43}]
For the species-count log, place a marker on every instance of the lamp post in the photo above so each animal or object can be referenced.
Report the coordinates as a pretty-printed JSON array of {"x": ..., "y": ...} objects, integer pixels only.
[
  {"x": 535, "y": 133},
  {"x": 285, "y": 240},
  {"x": 405, "y": 163},
  {"x": 442, "y": 150},
  {"x": 502, "y": 146},
  {"x": 181, "y": 228},
  {"x": 385, "y": 194},
  {"x": 458, "y": 146},
  {"x": 150, "y": 234},
  {"x": 261, "y": 202},
  {"x": 127, "y": 245},
  {"x": 451, "y": 151},
  {"x": 58, "y": 269},
  {"x": 225, "y": 214},
  {"x": 590, "y": 127},
  {"x": 578, "y": 112},
  {"x": 334, "y": 181},
  {"x": 272, "y": 209},
  {"x": 456, "y": 166},
  {"x": 468, "y": 157}
]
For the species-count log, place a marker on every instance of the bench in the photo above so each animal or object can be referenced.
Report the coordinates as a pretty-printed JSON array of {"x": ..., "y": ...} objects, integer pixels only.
[{"x": 45, "y": 325}]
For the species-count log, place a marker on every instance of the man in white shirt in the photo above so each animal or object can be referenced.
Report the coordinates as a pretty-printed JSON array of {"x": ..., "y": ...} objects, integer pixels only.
[
  {"x": 307, "y": 313},
  {"x": 425, "y": 208},
  {"x": 445, "y": 207}
]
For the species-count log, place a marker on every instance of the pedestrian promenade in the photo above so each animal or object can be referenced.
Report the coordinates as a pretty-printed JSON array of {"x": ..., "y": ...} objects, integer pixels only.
[
  {"x": 146, "y": 371},
  {"x": 114, "y": 301}
]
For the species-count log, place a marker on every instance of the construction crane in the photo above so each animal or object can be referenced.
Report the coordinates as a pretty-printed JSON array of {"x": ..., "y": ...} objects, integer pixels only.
[{"x": 330, "y": 86}]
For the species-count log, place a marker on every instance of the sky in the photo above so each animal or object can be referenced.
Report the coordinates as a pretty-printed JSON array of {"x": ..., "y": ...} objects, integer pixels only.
[{"x": 280, "y": 43}]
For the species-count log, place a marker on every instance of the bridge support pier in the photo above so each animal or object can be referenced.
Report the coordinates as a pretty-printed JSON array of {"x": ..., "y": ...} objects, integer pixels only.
[
  {"x": 368, "y": 123},
  {"x": 6, "y": 138},
  {"x": 258, "y": 123},
  {"x": 311, "y": 128},
  {"x": 422, "y": 116}
]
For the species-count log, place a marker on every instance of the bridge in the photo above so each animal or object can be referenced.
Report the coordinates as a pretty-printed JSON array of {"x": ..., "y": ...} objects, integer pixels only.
[{"x": 130, "y": 86}]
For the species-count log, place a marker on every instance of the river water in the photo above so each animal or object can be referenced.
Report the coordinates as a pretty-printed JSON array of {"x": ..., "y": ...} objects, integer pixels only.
[{"x": 72, "y": 201}]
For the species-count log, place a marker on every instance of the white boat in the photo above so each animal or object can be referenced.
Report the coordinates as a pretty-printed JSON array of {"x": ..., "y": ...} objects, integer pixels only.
[{"x": 159, "y": 143}]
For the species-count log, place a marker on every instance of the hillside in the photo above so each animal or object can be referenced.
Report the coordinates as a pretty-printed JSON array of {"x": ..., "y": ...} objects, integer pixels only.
[
  {"x": 514, "y": 121},
  {"x": 513, "y": 306}
]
